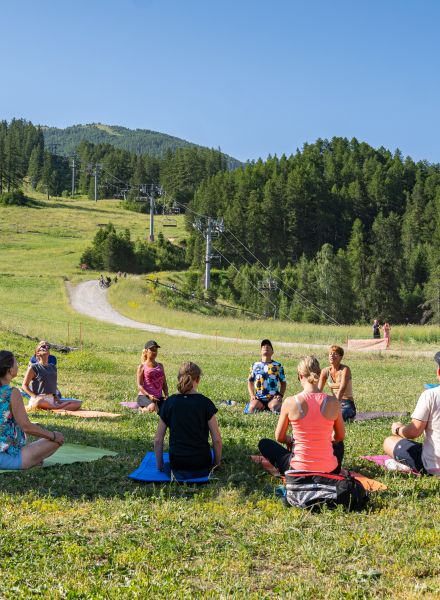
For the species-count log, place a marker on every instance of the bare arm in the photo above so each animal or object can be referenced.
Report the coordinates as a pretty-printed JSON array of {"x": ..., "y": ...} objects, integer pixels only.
[
  {"x": 251, "y": 390},
  {"x": 283, "y": 388},
  {"x": 339, "y": 428},
  {"x": 411, "y": 431},
  {"x": 158, "y": 443},
  {"x": 283, "y": 424},
  {"x": 216, "y": 440},
  {"x": 322, "y": 379},
  {"x": 29, "y": 376},
  {"x": 20, "y": 415},
  {"x": 165, "y": 386}
]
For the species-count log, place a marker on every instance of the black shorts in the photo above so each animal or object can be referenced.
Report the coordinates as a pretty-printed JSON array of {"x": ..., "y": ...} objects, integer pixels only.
[
  {"x": 143, "y": 401},
  {"x": 409, "y": 453}
]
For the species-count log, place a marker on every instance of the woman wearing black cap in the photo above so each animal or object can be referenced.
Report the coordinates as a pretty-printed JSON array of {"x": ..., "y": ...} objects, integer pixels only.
[{"x": 151, "y": 380}]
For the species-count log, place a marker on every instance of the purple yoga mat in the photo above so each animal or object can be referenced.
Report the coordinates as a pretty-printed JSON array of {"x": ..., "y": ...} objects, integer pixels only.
[
  {"x": 380, "y": 461},
  {"x": 129, "y": 404},
  {"x": 366, "y": 416}
]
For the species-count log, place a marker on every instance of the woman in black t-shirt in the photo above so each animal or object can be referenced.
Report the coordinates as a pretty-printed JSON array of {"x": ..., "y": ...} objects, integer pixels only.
[{"x": 190, "y": 417}]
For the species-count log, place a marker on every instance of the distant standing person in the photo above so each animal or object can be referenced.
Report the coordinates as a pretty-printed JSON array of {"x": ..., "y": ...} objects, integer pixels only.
[
  {"x": 266, "y": 382},
  {"x": 387, "y": 333},
  {"x": 376, "y": 329},
  {"x": 422, "y": 457},
  {"x": 151, "y": 380},
  {"x": 338, "y": 377}
]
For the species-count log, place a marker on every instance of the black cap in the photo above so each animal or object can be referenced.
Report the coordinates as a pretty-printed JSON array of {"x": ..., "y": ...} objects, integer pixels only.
[
  {"x": 151, "y": 344},
  {"x": 437, "y": 358},
  {"x": 266, "y": 343}
]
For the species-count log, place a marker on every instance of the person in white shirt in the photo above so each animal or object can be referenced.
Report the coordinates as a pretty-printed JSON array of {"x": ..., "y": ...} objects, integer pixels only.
[{"x": 422, "y": 457}]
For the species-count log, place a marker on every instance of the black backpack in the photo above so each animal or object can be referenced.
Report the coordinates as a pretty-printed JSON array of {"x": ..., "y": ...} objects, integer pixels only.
[{"x": 305, "y": 489}]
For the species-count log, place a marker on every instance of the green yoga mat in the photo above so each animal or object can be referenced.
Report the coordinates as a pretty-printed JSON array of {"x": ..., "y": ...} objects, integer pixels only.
[{"x": 71, "y": 453}]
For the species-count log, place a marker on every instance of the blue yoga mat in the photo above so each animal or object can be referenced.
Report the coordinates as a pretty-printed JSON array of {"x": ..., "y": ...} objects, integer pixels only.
[
  {"x": 147, "y": 471},
  {"x": 429, "y": 386},
  {"x": 23, "y": 393},
  {"x": 246, "y": 410}
]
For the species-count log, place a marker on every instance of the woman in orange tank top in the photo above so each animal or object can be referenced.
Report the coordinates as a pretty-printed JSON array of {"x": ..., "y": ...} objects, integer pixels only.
[{"x": 317, "y": 426}]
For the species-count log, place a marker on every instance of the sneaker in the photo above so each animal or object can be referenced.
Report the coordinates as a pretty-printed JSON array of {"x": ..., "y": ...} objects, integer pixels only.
[
  {"x": 228, "y": 403},
  {"x": 393, "y": 465}
]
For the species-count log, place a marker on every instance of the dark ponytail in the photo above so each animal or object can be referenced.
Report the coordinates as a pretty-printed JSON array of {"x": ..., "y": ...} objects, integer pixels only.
[{"x": 6, "y": 362}]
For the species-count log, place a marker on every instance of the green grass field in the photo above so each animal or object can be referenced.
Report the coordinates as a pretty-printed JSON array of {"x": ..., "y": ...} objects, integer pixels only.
[{"x": 86, "y": 531}]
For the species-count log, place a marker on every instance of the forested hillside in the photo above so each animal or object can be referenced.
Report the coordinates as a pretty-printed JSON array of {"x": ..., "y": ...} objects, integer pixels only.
[
  {"x": 349, "y": 230},
  {"x": 24, "y": 156},
  {"x": 136, "y": 141}
]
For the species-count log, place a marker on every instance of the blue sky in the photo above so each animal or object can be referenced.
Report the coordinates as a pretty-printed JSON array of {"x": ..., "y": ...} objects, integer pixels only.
[{"x": 251, "y": 76}]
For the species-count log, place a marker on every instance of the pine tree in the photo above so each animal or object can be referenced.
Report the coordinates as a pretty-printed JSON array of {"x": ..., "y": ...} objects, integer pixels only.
[
  {"x": 386, "y": 269},
  {"x": 35, "y": 166}
]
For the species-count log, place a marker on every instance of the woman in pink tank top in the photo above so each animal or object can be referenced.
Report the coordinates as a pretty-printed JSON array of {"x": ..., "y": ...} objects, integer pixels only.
[
  {"x": 151, "y": 380},
  {"x": 316, "y": 444}
]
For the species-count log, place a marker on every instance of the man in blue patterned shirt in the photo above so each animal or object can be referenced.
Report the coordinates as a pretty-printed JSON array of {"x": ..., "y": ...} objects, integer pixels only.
[{"x": 266, "y": 382}]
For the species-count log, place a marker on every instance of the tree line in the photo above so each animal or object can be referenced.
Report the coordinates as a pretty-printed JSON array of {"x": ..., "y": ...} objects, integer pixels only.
[
  {"x": 352, "y": 233},
  {"x": 24, "y": 156}
]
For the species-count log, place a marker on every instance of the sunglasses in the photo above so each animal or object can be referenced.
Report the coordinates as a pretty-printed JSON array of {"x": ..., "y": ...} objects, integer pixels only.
[{"x": 44, "y": 347}]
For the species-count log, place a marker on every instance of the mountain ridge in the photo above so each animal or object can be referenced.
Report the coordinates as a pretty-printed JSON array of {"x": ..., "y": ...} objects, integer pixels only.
[{"x": 139, "y": 141}]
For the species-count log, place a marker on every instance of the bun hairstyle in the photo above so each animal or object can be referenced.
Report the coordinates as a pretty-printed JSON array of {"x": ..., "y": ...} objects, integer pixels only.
[
  {"x": 309, "y": 368},
  {"x": 188, "y": 373},
  {"x": 6, "y": 362}
]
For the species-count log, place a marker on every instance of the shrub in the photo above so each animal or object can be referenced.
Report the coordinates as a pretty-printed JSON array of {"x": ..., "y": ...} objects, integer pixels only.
[
  {"x": 115, "y": 251},
  {"x": 16, "y": 198}
]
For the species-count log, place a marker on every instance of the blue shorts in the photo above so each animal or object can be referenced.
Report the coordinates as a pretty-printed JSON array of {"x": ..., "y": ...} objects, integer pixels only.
[
  {"x": 409, "y": 453},
  {"x": 10, "y": 461}
]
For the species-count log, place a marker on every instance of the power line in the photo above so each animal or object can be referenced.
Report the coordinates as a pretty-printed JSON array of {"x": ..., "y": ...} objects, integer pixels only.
[
  {"x": 249, "y": 281},
  {"x": 289, "y": 287},
  {"x": 192, "y": 296}
]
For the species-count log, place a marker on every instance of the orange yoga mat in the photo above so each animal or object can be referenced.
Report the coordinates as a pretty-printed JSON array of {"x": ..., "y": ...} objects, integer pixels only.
[
  {"x": 86, "y": 414},
  {"x": 371, "y": 485}
]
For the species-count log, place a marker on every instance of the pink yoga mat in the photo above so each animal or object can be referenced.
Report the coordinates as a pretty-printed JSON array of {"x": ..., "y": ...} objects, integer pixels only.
[{"x": 380, "y": 461}]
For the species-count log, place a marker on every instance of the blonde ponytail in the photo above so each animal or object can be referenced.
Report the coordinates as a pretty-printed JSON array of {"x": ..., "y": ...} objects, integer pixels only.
[{"x": 309, "y": 368}]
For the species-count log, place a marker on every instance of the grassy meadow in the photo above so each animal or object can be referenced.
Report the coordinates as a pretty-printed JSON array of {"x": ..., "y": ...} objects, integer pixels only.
[{"x": 86, "y": 531}]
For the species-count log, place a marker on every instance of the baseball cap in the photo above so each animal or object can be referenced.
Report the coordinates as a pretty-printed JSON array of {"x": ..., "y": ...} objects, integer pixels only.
[
  {"x": 266, "y": 343},
  {"x": 151, "y": 344},
  {"x": 437, "y": 358}
]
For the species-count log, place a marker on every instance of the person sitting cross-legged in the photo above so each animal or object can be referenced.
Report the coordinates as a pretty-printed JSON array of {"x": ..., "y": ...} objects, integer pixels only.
[
  {"x": 266, "y": 382},
  {"x": 423, "y": 457},
  {"x": 40, "y": 383},
  {"x": 190, "y": 417},
  {"x": 15, "y": 453},
  {"x": 318, "y": 431}
]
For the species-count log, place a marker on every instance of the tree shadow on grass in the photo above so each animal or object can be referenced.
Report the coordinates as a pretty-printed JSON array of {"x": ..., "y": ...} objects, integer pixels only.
[
  {"x": 108, "y": 476},
  {"x": 76, "y": 208}
]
